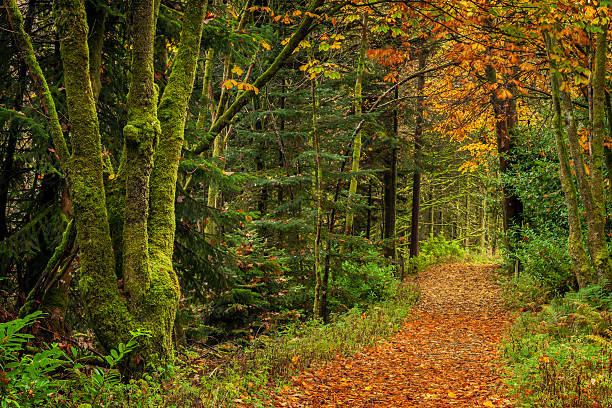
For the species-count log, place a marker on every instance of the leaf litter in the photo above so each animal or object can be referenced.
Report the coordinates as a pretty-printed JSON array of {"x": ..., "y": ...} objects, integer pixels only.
[{"x": 445, "y": 356}]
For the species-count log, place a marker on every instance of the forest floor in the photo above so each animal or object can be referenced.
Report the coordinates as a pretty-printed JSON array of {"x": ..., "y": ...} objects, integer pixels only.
[{"x": 445, "y": 356}]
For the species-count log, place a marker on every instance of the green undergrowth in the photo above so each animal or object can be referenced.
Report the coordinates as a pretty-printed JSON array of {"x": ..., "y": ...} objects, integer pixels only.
[
  {"x": 203, "y": 376},
  {"x": 436, "y": 250},
  {"x": 559, "y": 354}
]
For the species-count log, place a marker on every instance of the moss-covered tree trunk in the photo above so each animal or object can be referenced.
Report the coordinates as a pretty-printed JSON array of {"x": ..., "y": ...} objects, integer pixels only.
[
  {"x": 608, "y": 149},
  {"x": 358, "y": 103},
  {"x": 580, "y": 260},
  {"x": 591, "y": 188},
  {"x": 320, "y": 285},
  {"x": 600, "y": 254},
  {"x": 416, "y": 179},
  {"x": 150, "y": 293},
  {"x": 96, "y": 19}
]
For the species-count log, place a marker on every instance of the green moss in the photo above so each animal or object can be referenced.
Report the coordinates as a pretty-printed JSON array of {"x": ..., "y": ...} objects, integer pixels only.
[
  {"x": 172, "y": 114},
  {"x": 53, "y": 125},
  {"x": 580, "y": 261},
  {"x": 140, "y": 137}
]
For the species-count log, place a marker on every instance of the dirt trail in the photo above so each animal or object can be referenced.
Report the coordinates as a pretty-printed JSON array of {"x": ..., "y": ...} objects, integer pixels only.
[{"x": 443, "y": 357}]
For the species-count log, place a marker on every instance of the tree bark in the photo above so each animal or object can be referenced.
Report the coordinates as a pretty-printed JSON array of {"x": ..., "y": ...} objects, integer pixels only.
[
  {"x": 506, "y": 118},
  {"x": 416, "y": 179},
  {"x": 96, "y": 20},
  {"x": 591, "y": 189},
  {"x": 580, "y": 260},
  {"x": 320, "y": 282},
  {"x": 608, "y": 149},
  {"x": 390, "y": 192},
  {"x": 600, "y": 255},
  {"x": 140, "y": 137},
  {"x": 153, "y": 288},
  {"x": 358, "y": 103}
]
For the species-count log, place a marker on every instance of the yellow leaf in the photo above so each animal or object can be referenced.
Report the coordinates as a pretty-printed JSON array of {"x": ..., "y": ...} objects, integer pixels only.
[
  {"x": 237, "y": 70},
  {"x": 111, "y": 176},
  {"x": 452, "y": 395},
  {"x": 565, "y": 86},
  {"x": 230, "y": 83},
  {"x": 488, "y": 404},
  {"x": 589, "y": 12}
]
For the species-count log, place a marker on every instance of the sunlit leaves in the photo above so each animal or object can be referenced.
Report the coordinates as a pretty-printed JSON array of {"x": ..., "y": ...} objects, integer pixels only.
[
  {"x": 316, "y": 67},
  {"x": 391, "y": 77},
  {"x": 243, "y": 86},
  {"x": 237, "y": 70}
]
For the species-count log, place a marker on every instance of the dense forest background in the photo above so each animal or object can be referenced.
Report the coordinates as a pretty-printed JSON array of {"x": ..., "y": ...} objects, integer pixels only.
[{"x": 187, "y": 183}]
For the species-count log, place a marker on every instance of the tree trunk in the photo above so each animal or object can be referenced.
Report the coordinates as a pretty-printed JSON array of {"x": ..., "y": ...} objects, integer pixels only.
[
  {"x": 358, "y": 103},
  {"x": 466, "y": 236},
  {"x": 369, "y": 215},
  {"x": 96, "y": 20},
  {"x": 591, "y": 189},
  {"x": 151, "y": 287},
  {"x": 600, "y": 255},
  {"x": 390, "y": 192},
  {"x": 416, "y": 179},
  {"x": 320, "y": 283},
  {"x": 580, "y": 259},
  {"x": 483, "y": 225},
  {"x": 431, "y": 215},
  {"x": 506, "y": 120},
  {"x": 608, "y": 149}
]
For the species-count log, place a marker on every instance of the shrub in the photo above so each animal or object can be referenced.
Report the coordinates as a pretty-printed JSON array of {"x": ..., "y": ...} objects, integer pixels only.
[
  {"x": 435, "y": 251},
  {"x": 360, "y": 284},
  {"x": 546, "y": 259}
]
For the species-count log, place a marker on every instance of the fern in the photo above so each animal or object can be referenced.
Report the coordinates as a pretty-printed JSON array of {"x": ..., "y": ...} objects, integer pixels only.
[
  {"x": 605, "y": 342},
  {"x": 11, "y": 340},
  {"x": 595, "y": 319}
]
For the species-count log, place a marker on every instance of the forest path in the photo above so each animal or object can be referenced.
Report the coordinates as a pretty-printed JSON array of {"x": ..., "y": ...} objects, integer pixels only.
[{"x": 443, "y": 357}]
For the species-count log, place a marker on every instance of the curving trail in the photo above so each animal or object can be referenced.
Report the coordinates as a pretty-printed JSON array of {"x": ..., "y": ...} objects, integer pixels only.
[{"x": 443, "y": 357}]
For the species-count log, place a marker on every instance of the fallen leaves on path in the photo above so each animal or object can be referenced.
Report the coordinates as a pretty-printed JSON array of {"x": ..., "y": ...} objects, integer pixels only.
[{"x": 444, "y": 357}]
